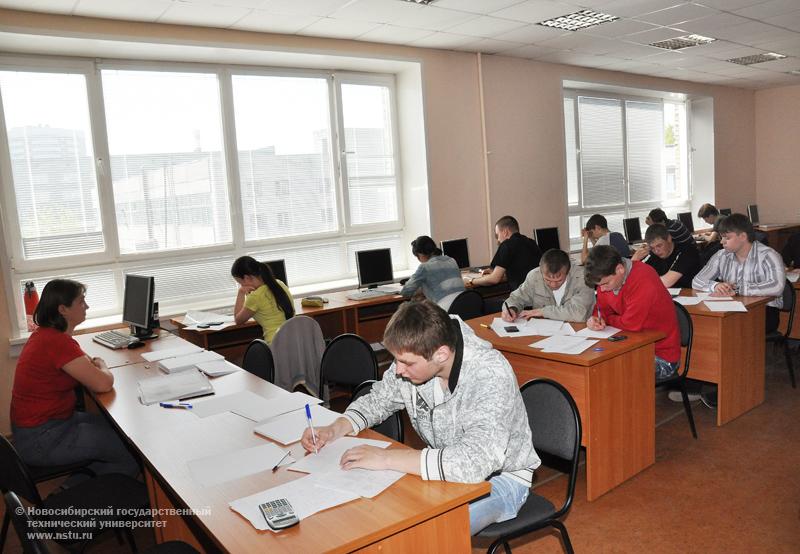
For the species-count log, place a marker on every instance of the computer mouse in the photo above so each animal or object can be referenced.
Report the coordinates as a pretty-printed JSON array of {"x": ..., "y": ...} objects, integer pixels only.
[
  {"x": 136, "y": 344},
  {"x": 404, "y": 281}
]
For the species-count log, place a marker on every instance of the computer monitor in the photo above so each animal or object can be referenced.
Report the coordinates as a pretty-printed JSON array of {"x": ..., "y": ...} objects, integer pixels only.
[
  {"x": 457, "y": 249},
  {"x": 686, "y": 219},
  {"x": 752, "y": 213},
  {"x": 137, "y": 306},
  {"x": 278, "y": 268},
  {"x": 633, "y": 229},
  {"x": 374, "y": 267},
  {"x": 547, "y": 238},
  {"x": 726, "y": 211}
]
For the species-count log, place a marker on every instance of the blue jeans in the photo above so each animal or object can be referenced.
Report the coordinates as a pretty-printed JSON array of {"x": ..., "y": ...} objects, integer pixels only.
[
  {"x": 80, "y": 438},
  {"x": 665, "y": 369},
  {"x": 507, "y": 497}
]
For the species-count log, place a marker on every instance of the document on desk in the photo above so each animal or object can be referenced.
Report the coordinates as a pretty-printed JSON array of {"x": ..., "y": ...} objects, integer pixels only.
[
  {"x": 236, "y": 464},
  {"x": 186, "y": 384},
  {"x": 329, "y": 456},
  {"x": 550, "y": 327},
  {"x": 563, "y": 344},
  {"x": 188, "y": 361},
  {"x": 253, "y": 406},
  {"x": 218, "y": 368},
  {"x": 363, "y": 482},
  {"x": 687, "y": 300},
  {"x": 159, "y": 355},
  {"x": 193, "y": 318},
  {"x": 303, "y": 494},
  {"x": 517, "y": 328},
  {"x": 674, "y": 291},
  {"x": 587, "y": 333},
  {"x": 733, "y": 306},
  {"x": 289, "y": 427},
  {"x": 706, "y": 297}
]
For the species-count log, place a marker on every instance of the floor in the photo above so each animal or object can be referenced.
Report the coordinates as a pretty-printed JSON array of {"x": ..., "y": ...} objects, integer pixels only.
[{"x": 735, "y": 489}]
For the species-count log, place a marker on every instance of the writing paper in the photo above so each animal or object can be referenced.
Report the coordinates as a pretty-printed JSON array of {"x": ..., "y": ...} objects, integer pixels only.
[{"x": 236, "y": 464}]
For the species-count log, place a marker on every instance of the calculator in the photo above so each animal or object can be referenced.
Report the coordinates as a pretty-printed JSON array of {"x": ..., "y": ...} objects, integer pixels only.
[{"x": 278, "y": 513}]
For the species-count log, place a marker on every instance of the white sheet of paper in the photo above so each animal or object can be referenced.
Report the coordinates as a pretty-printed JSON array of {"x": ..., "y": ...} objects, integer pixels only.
[
  {"x": 259, "y": 408},
  {"x": 305, "y": 497},
  {"x": 733, "y": 306},
  {"x": 793, "y": 277},
  {"x": 171, "y": 353},
  {"x": 227, "y": 402},
  {"x": 674, "y": 291},
  {"x": 524, "y": 329},
  {"x": 231, "y": 465},
  {"x": 218, "y": 368},
  {"x": 687, "y": 300},
  {"x": 549, "y": 327},
  {"x": 363, "y": 482},
  {"x": 587, "y": 333},
  {"x": 329, "y": 456},
  {"x": 193, "y": 317},
  {"x": 706, "y": 297},
  {"x": 289, "y": 427},
  {"x": 189, "y": 361},
  {"x": 564, "y": 344}
]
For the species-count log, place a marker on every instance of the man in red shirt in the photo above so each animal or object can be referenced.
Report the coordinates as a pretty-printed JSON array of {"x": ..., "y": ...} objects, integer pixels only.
[{"x": 631, "y": 296}]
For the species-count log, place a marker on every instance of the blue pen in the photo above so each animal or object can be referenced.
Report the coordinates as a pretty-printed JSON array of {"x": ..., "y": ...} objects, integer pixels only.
[
  {"x": 311, "y": 426},
  {"x": 179, "y": 405}
]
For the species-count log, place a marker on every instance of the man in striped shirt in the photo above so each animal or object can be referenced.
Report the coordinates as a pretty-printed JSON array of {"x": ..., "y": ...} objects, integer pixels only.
[{"x": 680, "y": 234}]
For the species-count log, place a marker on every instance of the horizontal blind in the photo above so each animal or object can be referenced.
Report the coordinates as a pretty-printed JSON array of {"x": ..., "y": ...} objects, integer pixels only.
[
  {"x": 602, "y": 167},
  {"x": 571, "y": 150},
  {"x": 283, "y": 138},
  {"x": 369, "y": 154},
  {"x": 101, "y": 290},
  {"x": 645, "y": 137},
  {"x": 52, "y": 163},
  {"x": 167, "y": 162}
]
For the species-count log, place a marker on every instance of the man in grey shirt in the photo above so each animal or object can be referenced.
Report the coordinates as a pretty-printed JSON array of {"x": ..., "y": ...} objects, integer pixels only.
[
  {"x": 554, "y": 290},
  {"x": 596, "y": 230}
]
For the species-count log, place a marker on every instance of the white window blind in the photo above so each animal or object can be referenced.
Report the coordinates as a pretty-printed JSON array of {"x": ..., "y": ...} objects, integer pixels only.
[
  {"x": 283, "y": 137},
  {"x": 52, "y": 163},
  {"x": 645, "y": 135},
  {"x": 572, "y": 155},
  {"x": 602, "y": 166},
  {"x": 167, "y": 162},
  {"x": 369, "y": 154}
]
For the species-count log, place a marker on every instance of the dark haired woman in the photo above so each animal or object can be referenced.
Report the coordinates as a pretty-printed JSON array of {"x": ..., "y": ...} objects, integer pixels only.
[
  {"x": 437, "y": 276},
  {"x": 261, "y": 296},
  {"x": 47, "y": 429}
]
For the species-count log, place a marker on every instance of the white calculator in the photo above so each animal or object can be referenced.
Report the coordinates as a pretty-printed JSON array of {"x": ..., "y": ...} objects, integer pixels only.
[{"x": 278, "y": 513}]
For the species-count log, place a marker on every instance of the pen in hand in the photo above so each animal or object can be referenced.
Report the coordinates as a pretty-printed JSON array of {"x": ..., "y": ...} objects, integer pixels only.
[
  {"x": 311, "y": 426},
  {"x": 511, "y": 311}
]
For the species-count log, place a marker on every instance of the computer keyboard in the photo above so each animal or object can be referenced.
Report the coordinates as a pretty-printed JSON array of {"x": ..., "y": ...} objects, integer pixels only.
[
  {"x": 370, "y": 293},
  {"x": 113, "y": 339}
]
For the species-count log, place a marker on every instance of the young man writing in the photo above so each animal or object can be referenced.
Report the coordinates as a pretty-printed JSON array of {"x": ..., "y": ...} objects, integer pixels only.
[
  {"x": 554, "y": 290},
  {"x": 676, "y": 264},
  {"x": 462, "y": 399}
]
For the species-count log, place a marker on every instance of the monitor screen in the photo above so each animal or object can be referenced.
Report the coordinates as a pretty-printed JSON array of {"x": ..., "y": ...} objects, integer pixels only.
[
  {"x": 374, "y": 267},
  {"x": 686, "y": 219},
  {"x": 278, "y": 268},
  {"x": 633, "y": 230},
  {"x": 726, "y": 211},
  {"x": 547, "y": 238},
  {"x": 752, "y": 213},
  {"x": 137, "y": 307},
  {"x": 457, "y": 249}
]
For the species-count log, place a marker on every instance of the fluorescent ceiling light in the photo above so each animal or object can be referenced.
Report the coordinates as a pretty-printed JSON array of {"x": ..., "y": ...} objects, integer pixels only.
[
  {"x": 685, "y": 41},
  {"x": 757, "y": 58},
  {"x": 420, "y": 1},
  {"x": 578, "y": 20}
]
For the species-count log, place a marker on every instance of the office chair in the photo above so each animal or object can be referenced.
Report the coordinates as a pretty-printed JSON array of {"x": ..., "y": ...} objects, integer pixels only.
[
  {"x": 348, "y": 360},
  {"x": 687, "y": 335},
  {"x": 556, "y": 429},
  {"x": 258, "y": 360},
  {"x": 392, "y": 427},
  {"x": 782, "y": 339},
  {"x": 467, "y": 305}
]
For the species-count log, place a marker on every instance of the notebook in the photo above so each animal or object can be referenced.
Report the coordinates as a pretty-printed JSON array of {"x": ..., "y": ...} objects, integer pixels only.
[{"x": 186, "y": 384}]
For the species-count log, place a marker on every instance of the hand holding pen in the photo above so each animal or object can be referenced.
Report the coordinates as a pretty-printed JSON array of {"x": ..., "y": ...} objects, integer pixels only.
[
  {"x": 596, "y": 323},
  {"x": 509, "y": 313}
]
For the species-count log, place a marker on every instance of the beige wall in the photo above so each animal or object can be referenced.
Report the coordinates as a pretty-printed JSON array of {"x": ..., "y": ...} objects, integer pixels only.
[
  {"x": 777, "y": 160},
  {"x": 523, "y": 119}
]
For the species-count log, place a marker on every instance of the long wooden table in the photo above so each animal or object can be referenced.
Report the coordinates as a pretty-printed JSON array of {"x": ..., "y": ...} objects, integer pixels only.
[
  {"x": 728, "y": 349},
  {"x": 778, "y": 235},
  {"x": 614, "y": 389},
  {"x": 411, "y": 514}
]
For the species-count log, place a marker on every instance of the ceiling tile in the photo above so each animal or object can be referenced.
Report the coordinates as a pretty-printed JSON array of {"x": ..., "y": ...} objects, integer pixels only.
[
  {"x": 531, "y": 33},
  {"x": 632, "y": 8},
  {"x": 304, "y": 7},
  {"x": 484, "y": 7},
  {"x": 227, "y": 3},
  {"x": 376, "y": 11},
  {"x": 648, "y": 37},
  {"x": 208, "y": 16},
  {"x": 532, "y": 51},
  {"x": 789, "y": 46},
  {"x": 585, "y": 44},
  {"x": 728, "y": 5},
  {"x": 786, "y": 64},
  {"x": 485, "y": 26},
  {"x": 446, "y": 41},
  {"x": 135, "y": 10},
  {"x": 768, "y": 9},
  {"x": 618, "y": 28},
  {"x": 395, "y": 35},
  {"x": 433, "y": 18},
  {"x": 752, "y": 30},
  {"x": 787, "y": 21},
  {"x": 50, "y": 6},
  {"x": 677, "y": 14},
  {"x": 534, "y": 11},
  {"x": 338, "y": 28},
  {"x": 633, "y": 51},
  {"x": 265, "y": 22},
  {"x": 489, "y": 46},
  {"x": 709, "y": 25}
]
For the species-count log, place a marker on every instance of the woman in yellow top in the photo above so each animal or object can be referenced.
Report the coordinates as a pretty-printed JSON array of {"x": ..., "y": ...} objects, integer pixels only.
[{"x": 261, "y": 296}]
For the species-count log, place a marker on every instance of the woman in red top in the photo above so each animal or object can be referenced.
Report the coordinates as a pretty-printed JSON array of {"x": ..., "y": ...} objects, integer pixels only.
[{"x": 47, "y": 429}]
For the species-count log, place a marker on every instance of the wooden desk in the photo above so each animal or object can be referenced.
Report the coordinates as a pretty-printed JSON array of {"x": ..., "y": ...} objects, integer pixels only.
[
  {"x": 777, "y": 236},
  {"x": 409, "y": 515},
  {"x": 615, "y": 393},
  {"x": 795, "y": 333},
  {"x": 124, "y": 356},
  {"x": 728, "y": 350}
]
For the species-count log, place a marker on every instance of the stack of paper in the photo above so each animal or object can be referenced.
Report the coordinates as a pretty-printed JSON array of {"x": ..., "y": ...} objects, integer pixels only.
[
  {"x": 182, "y": 350},
  {"x": 193, "y": 318},
  {"x": 189, "y": 361},
  {"x": 289, "y": 427},
  {"x": 218, "y": 368},
  {"x": 563, "y": 344},
  {"x": 187, "y": 384},
  {"x": 730, "y": 306}
]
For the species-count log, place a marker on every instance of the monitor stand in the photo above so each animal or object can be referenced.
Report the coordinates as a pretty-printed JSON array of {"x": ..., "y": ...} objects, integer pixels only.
[{"x": 143, "y": 333}]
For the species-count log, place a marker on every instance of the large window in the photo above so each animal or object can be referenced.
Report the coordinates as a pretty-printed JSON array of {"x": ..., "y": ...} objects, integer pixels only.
[
  {"x": 625, "y": 156},
  {"x": 174, "y": 171}
]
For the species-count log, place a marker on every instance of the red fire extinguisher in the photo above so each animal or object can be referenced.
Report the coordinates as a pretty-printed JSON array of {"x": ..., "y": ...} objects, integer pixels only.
[{"x": 31, "y": 298}]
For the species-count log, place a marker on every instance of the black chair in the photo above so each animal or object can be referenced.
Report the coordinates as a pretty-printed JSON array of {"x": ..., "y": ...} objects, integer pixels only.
[
  {"x": 110, "y": 492},
  {"x": 687, "y": 334},
  {"x": 556, "y": 429},
  {"x": 467, "y": 305},
  {"x": 258, "y": 360},
  {"x": 347, "y": 360},
  {"x": 782, "y": 339},
  {"x": 761, "y": 237},
  {"x": 393, "y": 426}
]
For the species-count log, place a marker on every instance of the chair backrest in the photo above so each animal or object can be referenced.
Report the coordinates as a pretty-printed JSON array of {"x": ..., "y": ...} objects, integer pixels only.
[
  {"x": 297, "y": 350},
  {"x": 14, "y": 475},
  {"x": 467, "y": 305},
  {"x": 555, "y": 427},
  {"x": 789, "y": 299},
  {"x": 686, "y": 328},
  {"x": 22, "y": 524},
  {"x": 762, "y": 237},
  {"x": 392, "y": 427},
  {"x": 348, "y": 360},
  {"x": 258, "y": 360}
]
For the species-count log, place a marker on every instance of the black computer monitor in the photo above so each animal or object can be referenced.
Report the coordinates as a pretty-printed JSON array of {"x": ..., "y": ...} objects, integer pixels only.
[
  {"x": 457, "y": 249},
  {"x": 633, "y": 229},
  {"x": 686, "y": 219},
  {"x": 547, "y": 238},
  {"x": 278, "y": 268},
  {"x": 374, "y": 267},
  {"x": 137, "y": 306},
  {"x": 752, "y": 213},
  {"x": 726, "y": 211}
]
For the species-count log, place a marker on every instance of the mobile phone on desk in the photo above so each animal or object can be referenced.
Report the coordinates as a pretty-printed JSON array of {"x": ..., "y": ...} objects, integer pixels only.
[
  {"x": 617, "y": 338},
  {"x": 511, "y": 329}
]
